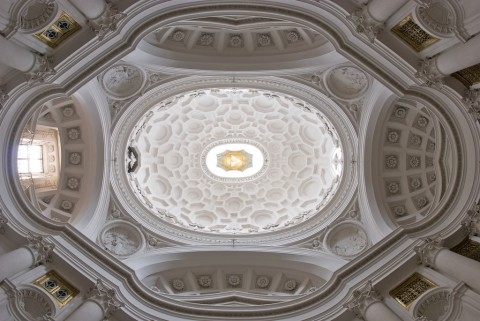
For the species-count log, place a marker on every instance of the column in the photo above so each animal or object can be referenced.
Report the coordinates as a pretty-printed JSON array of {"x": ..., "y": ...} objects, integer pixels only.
[
  {"x": 90, "y": 8},
  {"x": 37, "y": 66},
  {"x": 471, "y": 222},
  {"x": 463, "y": 55},
  {"x": 370, "y": 19},
  {"x": 88, "y": 308},
  {"x": 431, "y": 253},
  {"x": 459, "y": 57},
  {"x": 37, "y": 251},
  {"x": 102, "y": 17},
  {"x": 381, "y": 10},
  {"x": 101, "y": 301},
  {"x": 15, "y": 56},
  {"x": 15, "y": 261},
  {"x": 367, "y": 304}
]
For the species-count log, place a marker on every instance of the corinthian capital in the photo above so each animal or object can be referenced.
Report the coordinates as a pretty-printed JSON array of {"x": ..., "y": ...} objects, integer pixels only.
[
  {"x": 471, "y": 98},
  {"x": 428, "y": 249},
  {"x": 105, "y": 297},
  {"x": 41, "y": 249},
  {"x": 362, "y": 298},
  {"x": 364, "y": 23},
  {"x": 107, "y": 22},
  {"x": 428, "y": 72},
  {"x": 471, "y": 220},
  {"x": 42, "y": 68}
]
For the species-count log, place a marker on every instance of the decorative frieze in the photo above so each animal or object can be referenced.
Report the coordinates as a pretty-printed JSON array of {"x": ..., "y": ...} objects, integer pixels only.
[{"x": 412, "y": 288}]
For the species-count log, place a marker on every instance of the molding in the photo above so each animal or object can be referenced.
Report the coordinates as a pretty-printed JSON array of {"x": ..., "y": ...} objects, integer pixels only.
[{"x": 81, "y": 242}]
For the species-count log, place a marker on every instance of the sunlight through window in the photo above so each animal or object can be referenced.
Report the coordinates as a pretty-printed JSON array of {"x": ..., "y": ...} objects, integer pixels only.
[{"x": 30, "y": 159}]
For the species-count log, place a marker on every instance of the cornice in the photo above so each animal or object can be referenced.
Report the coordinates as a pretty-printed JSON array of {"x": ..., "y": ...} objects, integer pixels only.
[{"x": 12, "y": 199}]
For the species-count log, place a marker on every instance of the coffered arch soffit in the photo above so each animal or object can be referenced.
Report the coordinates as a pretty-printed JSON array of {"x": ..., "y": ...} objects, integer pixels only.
[{"x": 419, "y": 165}]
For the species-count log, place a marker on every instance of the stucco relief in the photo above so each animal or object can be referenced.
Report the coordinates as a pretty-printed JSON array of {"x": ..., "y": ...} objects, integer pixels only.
[
  {"x": 121, "y": 238},
  {"x": 122, "y": 81},
  {"x": 346, "y": 82}
]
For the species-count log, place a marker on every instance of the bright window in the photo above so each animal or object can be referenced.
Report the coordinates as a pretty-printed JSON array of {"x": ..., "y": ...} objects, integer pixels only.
[{"x": 30, "y": 159}]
